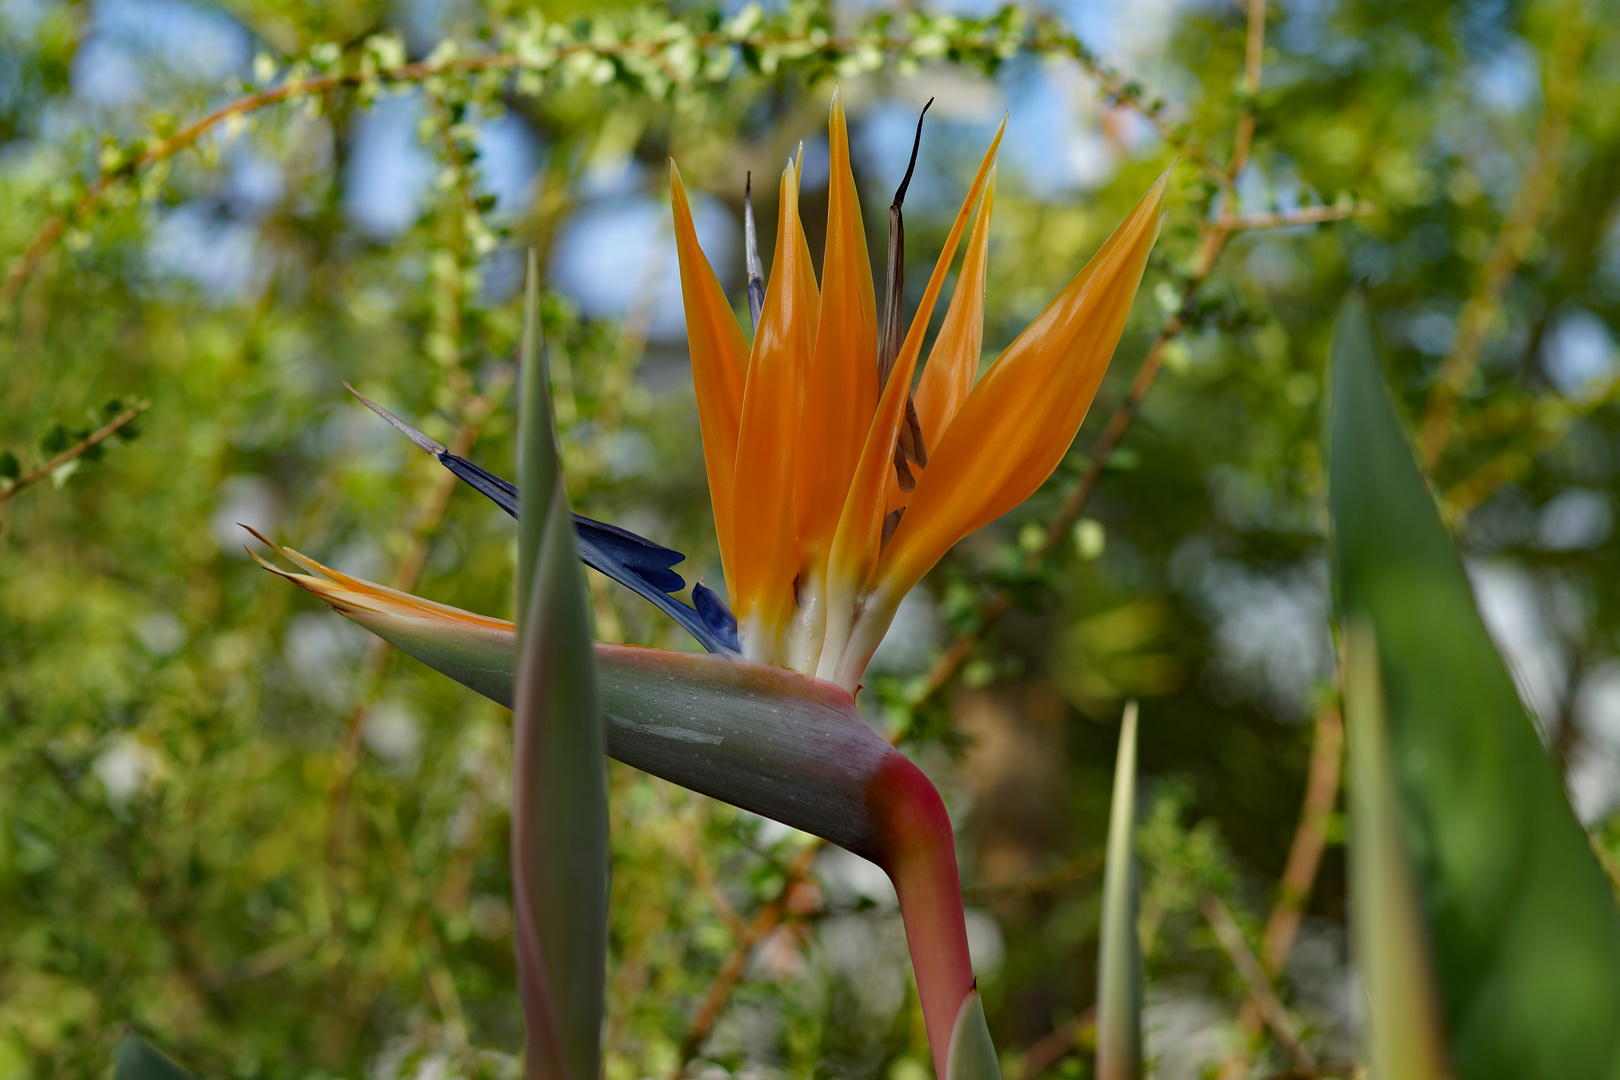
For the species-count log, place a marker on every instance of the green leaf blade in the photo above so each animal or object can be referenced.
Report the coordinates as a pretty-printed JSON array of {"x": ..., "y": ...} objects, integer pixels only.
[
  {"x": 1524, "y": 930},
  {"x": 1119, "y": 966},
  {"x": 1403, "y": 1026},
  {"x": 559, "y": 811}
]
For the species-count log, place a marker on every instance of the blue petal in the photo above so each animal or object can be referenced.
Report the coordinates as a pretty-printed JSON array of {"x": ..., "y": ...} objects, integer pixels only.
[
  {"x": 649, "y": 561},
  {"x": 716, "y": 616},
  {"x": 633, "y": 561}
]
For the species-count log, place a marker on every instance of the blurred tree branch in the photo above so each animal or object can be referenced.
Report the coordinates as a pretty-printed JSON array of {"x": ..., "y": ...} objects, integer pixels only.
[
  {"x": 1299, "y": 877},
  {"x": 1230, "y": 937},
  {"x": 74, "y": 452},
  {"x": 1536, "y": 187}
]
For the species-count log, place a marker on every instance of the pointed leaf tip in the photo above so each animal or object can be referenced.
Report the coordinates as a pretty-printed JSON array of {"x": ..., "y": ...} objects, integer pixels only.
[
  {"x": 559, "y": 804},
  {"x": 972, "y": 1054},
  {"x": 136, "y": 1059},
  {"x": 1404, "y": 1038},
  {"x": 1119, "y": 968},
  {"x": 421, "y": 440}
]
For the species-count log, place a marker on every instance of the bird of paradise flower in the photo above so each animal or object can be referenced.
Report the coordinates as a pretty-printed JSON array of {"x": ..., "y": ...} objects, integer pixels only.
[{"x": 836, "y": 487}]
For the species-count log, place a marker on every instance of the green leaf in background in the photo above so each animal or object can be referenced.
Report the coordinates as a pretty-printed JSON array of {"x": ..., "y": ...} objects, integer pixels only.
[
  {"x": 1119, "y": 968},
  {"x": 137, "y": 1060},
  {"x": 559, "y": 790},
  {"x": 1403, "y": 1028},
  {"x": 1524, "y": 930}
]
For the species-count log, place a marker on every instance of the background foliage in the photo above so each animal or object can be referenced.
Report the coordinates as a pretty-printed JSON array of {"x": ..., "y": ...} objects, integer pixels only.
[{"x": 233, "y": 821}]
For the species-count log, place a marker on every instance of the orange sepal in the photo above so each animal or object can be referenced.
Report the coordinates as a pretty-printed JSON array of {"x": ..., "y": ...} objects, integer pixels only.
[
  {"x": 810, "y": 294},
  {"x": 351, "y": 595},
  {"x": 1017, "y": 424},
  {"x": 765, "y": 533},
  {"x": 719, "y": 366},
  {"x": 841, "y": 386}
]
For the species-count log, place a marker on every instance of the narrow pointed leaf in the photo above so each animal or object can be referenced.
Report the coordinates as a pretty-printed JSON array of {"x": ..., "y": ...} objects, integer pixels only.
[
  {"x": 138, "y": 1060},
  {"x": 1524, "y": 931},
  {"x": 539, "y": 462},
  {"x": 973, "y": 1055},
  {"x": 559, "y": 791},
  {"x": 1403, "y": 1024},
  {"x": 1119, "y": 964}
]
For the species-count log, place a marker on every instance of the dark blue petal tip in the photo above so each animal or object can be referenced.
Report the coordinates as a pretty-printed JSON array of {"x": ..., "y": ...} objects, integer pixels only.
[{"x": 633, "y": 561}]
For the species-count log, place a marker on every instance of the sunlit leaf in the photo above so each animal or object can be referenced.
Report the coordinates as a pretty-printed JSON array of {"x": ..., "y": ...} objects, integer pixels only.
[
  {"x": 1119, "y": 967},
  {"x": 1525, "y": 936},
  {"x": 1403, "y": 1027}
]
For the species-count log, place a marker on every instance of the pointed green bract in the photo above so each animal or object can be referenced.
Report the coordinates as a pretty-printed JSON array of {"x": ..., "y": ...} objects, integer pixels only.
[
  {"x": 539, "y": 465},
  {"x": 137, "y": 1060},
  {"x": 972, "y": 1054},
  {"x": 559, "y": 791},
  {"x": 1403, "y": 1029},
  {"x": 1119, "y": 964},
  {"x": 1524, "y": 931}
]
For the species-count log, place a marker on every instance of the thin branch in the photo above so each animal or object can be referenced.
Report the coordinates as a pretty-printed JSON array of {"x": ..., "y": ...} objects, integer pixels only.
[
  {"x": 266, "y": 961},
  {"x": 1068, "y": 1038},
  {"x": 90, "y": 441},
  {"x": 1041, "y": 881},
  {"x": 766, "y": 919},
  {"x": 1512, "y": 244},
  {"x": 1050, "y": 37},
  {"x": 53, "y": 228},
  {"x": 1230, "y": 937},
  {"x": 1299, "y": 876},
  {"x": 1254, "y": 52},
  {"x": 704, "y": 876},
  {"x": 1310, "y": 840},
  {"x": 1305, "y": 215}
]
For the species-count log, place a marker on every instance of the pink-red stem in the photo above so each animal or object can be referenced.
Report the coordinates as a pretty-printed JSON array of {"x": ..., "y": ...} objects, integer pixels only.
[{"x": 919, "y": 855}]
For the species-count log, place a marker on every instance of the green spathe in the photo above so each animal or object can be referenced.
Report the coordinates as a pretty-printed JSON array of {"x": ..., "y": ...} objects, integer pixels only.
[{"x": 1523, "y": 926}]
